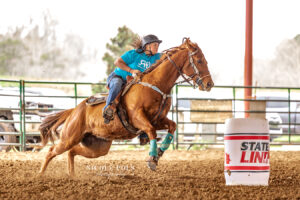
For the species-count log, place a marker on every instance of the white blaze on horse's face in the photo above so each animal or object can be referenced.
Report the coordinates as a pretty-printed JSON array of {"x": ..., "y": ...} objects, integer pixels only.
[
  {"x": 198, "y": 69},
  {"x": 204, "y": 80}
]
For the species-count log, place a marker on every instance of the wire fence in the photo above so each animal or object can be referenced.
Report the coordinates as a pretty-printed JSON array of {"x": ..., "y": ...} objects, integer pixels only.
[{"x": 200, "y": 116}]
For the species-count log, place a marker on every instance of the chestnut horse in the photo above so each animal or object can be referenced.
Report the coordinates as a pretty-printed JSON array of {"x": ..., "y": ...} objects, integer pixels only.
[{"x": 82, "y": 130}]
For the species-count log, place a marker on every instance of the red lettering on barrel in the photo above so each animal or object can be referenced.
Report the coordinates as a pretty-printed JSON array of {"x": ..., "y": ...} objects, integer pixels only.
[
  {"x": 251, "y": 156},
  {"x": 227, "y": 158},
  {"x": 255, "y": 157},
  {"x": 266, "y": 157},
  {"x": 258, "y": 157},
  {"x": 243, "y": 157}
]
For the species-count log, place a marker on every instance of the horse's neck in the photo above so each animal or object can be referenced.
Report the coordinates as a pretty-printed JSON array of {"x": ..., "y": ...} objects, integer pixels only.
[{"x": 165, "y": 75}]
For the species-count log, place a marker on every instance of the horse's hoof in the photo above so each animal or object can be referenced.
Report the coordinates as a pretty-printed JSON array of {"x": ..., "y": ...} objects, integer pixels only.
[{"x": 152, "y": 163}]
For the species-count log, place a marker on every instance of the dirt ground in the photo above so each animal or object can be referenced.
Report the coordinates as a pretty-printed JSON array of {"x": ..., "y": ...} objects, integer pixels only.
[{"x": 124, "y": 175}]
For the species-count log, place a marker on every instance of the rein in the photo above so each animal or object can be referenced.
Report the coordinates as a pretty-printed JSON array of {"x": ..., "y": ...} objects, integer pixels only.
[{"x": 199, "y": 80}]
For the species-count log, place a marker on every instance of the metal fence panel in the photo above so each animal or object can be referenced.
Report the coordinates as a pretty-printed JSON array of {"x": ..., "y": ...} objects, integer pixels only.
[{"x": 200, "y": 116}]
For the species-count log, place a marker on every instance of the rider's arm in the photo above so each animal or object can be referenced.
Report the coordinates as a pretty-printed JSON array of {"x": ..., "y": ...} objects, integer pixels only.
[{"x": 122, "y": 65}]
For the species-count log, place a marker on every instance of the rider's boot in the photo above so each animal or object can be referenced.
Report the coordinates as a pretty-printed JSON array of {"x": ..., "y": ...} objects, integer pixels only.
[{"x": 108, "y": 114}]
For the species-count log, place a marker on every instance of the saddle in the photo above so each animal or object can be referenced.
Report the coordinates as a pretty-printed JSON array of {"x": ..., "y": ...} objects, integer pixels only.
[
  {"x": 95, "y": 100},
  {"x": 101, "y": 97},
  {"x": 116, "y": 105}
]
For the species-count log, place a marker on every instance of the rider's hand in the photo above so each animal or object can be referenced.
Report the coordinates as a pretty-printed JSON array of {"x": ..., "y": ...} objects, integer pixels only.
[{"x": 134, "y": 72}]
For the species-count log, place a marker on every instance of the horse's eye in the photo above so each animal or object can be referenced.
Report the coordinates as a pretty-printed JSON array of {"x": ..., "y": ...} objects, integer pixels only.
[{"x": 199, "y": 61}]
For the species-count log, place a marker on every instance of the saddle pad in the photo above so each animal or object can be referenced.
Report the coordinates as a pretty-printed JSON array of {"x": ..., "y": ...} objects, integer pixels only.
[{"x": 95, "y": 100}]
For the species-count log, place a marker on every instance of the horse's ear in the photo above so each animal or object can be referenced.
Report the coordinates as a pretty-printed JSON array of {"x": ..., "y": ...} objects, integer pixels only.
[
  {"x": 189, "y": 44},
  {"x": 185, "y": 40}
]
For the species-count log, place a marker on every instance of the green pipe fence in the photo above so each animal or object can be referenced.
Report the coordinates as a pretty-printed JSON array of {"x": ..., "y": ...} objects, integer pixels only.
[{"x": 189, "y": 131}]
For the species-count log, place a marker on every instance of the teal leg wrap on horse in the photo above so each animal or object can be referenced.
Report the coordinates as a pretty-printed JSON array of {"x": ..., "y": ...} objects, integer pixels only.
[
  {"x": 153, "y": 148},
  {"x": 167, "y": 141}
]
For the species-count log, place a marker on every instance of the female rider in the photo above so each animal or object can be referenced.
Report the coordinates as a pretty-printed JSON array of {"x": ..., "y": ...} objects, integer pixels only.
[{"x": 130, "y": 63}]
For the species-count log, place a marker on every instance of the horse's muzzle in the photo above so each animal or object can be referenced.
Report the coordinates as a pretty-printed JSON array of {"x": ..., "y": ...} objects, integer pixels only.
[
  {"x": 209, "y": 85},
  {"x": 206, "y": 86}
]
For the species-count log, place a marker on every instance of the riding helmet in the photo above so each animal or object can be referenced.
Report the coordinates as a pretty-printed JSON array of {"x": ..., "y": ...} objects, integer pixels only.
[{"x": 149, "y": 39}]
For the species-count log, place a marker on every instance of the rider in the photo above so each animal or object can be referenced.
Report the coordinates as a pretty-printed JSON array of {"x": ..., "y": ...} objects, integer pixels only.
[{"x": 130, "y": 63}]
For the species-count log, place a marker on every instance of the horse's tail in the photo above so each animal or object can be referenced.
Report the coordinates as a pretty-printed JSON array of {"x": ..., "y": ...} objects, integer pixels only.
[{"x": 48, "y": 128}]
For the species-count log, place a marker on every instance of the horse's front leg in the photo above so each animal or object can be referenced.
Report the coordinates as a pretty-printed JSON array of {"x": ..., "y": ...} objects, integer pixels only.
[
  {"x": 165, "y": 123},
  {"x": 140, "y": 121}
]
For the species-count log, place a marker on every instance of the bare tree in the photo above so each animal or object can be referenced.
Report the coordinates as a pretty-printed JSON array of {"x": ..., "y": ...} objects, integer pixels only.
[
  {"x": 33, "y": 51},
  {"x": 283, "y": 70}
]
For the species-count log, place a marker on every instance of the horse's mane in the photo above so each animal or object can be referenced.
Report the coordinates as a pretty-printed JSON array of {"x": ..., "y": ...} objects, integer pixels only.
[{"x": 163, "y": 58}]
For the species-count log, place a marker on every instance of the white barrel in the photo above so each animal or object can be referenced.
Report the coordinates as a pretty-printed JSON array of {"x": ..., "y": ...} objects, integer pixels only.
[{"x": 247, "y": 154}]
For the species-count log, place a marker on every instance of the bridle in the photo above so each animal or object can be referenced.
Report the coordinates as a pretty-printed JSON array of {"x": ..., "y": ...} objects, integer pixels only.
[{"x": 199, "y": 79}]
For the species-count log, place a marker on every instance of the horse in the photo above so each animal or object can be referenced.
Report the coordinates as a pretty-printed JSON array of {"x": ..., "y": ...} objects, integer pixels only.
[{"x": 82, "y": 131}]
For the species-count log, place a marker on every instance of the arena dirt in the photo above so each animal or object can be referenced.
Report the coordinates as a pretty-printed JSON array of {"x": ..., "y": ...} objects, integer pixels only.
[{"x": 124, "y": 175}]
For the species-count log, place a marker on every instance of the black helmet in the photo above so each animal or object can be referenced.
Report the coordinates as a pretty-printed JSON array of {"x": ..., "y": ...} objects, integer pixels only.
[{"x": 149, "y": 39}]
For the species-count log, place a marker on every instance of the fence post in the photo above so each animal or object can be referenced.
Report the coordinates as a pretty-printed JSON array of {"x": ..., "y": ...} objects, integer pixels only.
[
  {"x": 75, "y": 91},
  {"x": 172, "y": 110},
  {"x": 289, "y": 103},
  {"x": 24, "y": 118},
  {"x": 23, "y": 122},
  {"x": 21, "y": 104},
  {"x": 176, "y": 135}
]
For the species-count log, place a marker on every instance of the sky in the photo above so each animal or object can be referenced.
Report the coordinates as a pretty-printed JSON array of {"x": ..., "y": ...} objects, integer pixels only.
[{"x": 218, "y": 26}]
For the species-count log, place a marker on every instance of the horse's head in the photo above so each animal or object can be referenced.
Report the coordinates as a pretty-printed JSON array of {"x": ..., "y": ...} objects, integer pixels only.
[{"x": 196, "y": 66}]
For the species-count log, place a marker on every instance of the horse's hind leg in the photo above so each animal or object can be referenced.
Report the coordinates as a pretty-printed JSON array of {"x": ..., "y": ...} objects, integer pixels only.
[
  {"x": 65, "y": 144},
  {"x": 71, "y": 134},
  {"x": 48, "y": 158},
  {"x": 53, "y": 151},
  {"x": 94, "y": 149}
]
